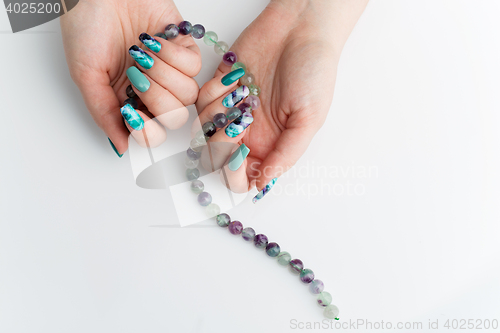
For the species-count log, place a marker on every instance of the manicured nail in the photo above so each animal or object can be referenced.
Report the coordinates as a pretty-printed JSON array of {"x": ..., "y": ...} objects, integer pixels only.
[
  {"x": 264, "y": 191},
  {"x": 141, "y": 57},
  {"x": 150, "y": 42},
  {"x": 133, "y": 118},
  {"x": 233, "y": 76},
  {"x": 239, "y": 155},
  {"x": 114, "y": 148},
  {"x": 138, "y": 79},
  {"x": 239, "y": 124},
  {"x": 235, "y": 96}
]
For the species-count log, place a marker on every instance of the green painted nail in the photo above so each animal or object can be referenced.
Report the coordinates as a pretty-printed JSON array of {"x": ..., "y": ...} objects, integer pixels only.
[
  {"x": 138, "y": 79},
  {"x": 231, "y": 77},
  {"x": 239, "y": 155},
  {"x": 114, "y": 148}
]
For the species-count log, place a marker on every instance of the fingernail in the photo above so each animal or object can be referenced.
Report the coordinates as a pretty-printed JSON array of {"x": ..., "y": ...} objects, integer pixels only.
[
  {"x": 141, "y": 57},
  {"x": 138, "y": 79},
  {"x": 264, "y": 191},
  {"x": 235, "y": 96},
  {"x": 133, "y": 118},
  {"x": 150, "y": 42},
  {"x": 233, "y": 76},
  {"x": 239, "y": 155},
  {"x": 239, "y": 124},
  {"x": 114, "y": 148}
]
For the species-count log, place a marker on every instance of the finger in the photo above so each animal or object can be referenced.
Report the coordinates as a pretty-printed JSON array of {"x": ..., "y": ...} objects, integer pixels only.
[
  {"x": 168, "y": 110},
  {"x": 187, "y": 60},
  {"x": 145, "y": 131},
  {"x": 236, "y": 174},
  {"x": 217, "y": 87}
]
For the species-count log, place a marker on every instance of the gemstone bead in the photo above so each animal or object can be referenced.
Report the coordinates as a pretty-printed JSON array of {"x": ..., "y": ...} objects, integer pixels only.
[
  {"x": 204, "y": 198},
  {"x": 212, "y": 210},
  {"x": 247, "y": 79},
  {"x": 238, "y": 126},
  {"x": 185, "y": 27},
  {"x": 237, "y": 65},
  {"x": 245, "y": 107},
  {"x": 316, "y": 286},
  {"x": 254, "y": 101},
  {"x": 192, "y": 154},
  {"x": 284, "y": 258},
  {"x": 192, "y": 174},
  {"x": 130, "y": 92},
  {"x": 197, "y": 186},
  {"x": 296, "y": 265},
  {"x": 200, "y": 137},
  {"x": 171, "y": 31},
  {"x": 196, "y": 145},
  {"x": 161, "y": 35},
  {"x": 324, "y": 298},
  {"x": 223, "y": 220},
  {"x": 132, "y": 102},
  {"x": 235, "y": 227},
  {"x": 306, "y": 275},
  {"x": 260, "y": 241},
  {"x": 221, "y": 48},
  {"x": 209, "y": 129},
  {"x": 272, "y": 249},
  {"x": 210, "y": 38},
  {"x": 233, "y": 113},
  {"x": 248, "y": 234},
  {"x": 220, "y": 120},
  {"x": 198, "y": 31},
  {"x": 190, "y": 164},
  {"x": 254, "y": 90},
  {"x": 331, "y": 312},
  {"x": 229, "y": 58}
]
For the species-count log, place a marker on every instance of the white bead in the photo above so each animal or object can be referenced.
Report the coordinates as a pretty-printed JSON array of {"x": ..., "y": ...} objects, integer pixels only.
[
  {"x": 221, "y": 47},
  {"x": 200, "y": 137},
  {"x": 190, "y": 164},
  {"x": 196, "y": 145},
  {"x": 331, "y": 312},
  {"x": 212, "y": 210}
]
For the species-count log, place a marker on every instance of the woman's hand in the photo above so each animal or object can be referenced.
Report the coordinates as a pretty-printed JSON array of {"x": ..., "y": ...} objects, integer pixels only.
[
  {"x": 292, "y": 49},
  {"x": 97, "y": 35}
]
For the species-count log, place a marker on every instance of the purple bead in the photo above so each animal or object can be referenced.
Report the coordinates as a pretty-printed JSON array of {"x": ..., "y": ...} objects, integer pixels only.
[
  {"x": 316, "y": 286},
  {"x": 307, "y": 275},
  {"x": 260, "y": 241},
  {"x": 273, "y": 249},
  {"x": 204, "y": 198},
  {"x": 185, "y": 27},
  {"x": 254, "y": 101},
  {"x": 248, "y": 234},
  {"x": 171, "y": 31},
  {"x": 192, "y": 154},
  {"x": 296, "y": 265},
  {"x": 130, "y": 92},
  {"x": 245, "y": 107},
  {"x": 229, "y": 58},
  {"x": 235, "y": 227},
  {"x": 198, "y": 31},
  {"x": 209, "y": 129},
  {"x": 220, "y": 120}
]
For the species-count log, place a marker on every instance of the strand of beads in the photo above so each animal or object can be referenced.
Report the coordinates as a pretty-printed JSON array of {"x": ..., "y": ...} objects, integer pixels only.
[{"x": 191, "y": 162}]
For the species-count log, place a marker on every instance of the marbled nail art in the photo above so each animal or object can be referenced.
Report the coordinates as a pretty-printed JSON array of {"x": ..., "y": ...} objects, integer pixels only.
[
  {"x": 141, "y": 57},
  {"x": 239, "y": 124},
  {"x": 133, "y": 118},
  {"x": 150, "y": 42},
  {"x": 264, "y": 191},
  {"x": 235, "y": 96}
]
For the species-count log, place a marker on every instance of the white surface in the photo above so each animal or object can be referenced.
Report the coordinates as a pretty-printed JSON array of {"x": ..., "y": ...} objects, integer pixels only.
[{"x": 416, "y": 100}]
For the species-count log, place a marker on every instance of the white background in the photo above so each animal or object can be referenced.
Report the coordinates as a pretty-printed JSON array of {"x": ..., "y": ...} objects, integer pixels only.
[{"x": 417, "y": 98}]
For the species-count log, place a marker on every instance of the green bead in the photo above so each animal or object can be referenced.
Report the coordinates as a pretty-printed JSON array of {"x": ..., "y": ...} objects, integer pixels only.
[
  {"x": 197, "y": 186},
  {"x": 210, "y": 38},
  {"x": 247, "y": 79},
  {"x": 212, "y": 210},
  {"x": 223, "y": 220},
  {"x": 192, "y": 174},
  {"x": 237, "y": 65},
  {"x": 221, "y": 47},
  {"x": 254, "y": 90},
  {"x": 284, "y": 258},
  {"x": 324, "y": 298}
]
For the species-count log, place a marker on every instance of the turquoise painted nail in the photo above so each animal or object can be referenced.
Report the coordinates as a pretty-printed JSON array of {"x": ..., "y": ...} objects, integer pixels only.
[
  {"x": 239, "y": 124},
  {"x": 138, "y": 79},
  {"x": 114, "y": 148},
  {"x": 133, "y": 118},
  {"x": 141, "y": 57},
  {"x": 150, "y": 42},
  {"x": 231, "y": 77},
  {"x": 239, "y": 155},
  {"x": 235, "y": 96},
  {"x": 264, "y": 191}
]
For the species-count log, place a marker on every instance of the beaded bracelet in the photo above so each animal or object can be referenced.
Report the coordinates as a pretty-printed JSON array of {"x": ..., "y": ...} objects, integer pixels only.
[{"x": 235, "y": 120}]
